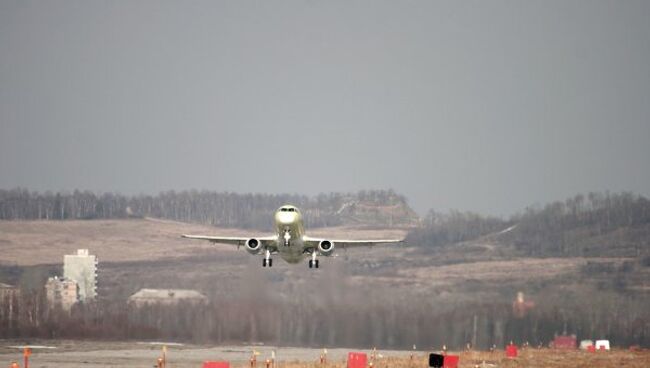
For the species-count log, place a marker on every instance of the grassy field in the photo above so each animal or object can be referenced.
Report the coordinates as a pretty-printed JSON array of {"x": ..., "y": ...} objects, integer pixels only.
[
  {"x": 150, "y": 253},
  {"x": 26, "y": 243},
  {"x": 446, "y": 285}
]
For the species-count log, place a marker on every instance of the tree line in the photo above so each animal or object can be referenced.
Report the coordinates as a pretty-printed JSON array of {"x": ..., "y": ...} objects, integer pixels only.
[
  {"x": 453, "y": 227},
  {"x": 223, "y": 209},
  {"x": 595, "y": 224},
  {"x": 369, "y": 320},
  {"x": 615, "y": 224}
]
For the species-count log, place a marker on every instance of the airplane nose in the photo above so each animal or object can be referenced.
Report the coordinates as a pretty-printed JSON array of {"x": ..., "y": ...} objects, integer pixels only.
[{"x": 286, "y": 218}]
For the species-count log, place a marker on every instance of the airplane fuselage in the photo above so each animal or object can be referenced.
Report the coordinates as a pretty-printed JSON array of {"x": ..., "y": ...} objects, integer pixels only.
[{"x": 290, "y": 230}]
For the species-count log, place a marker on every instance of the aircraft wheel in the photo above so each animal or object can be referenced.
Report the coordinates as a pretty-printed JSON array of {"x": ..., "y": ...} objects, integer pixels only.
[
  {"x": 316, "y": 265},
  {"x": 264, "y": 262},
  {"x": 311, "y": 264},
  {"x": 270, "y": 262}
]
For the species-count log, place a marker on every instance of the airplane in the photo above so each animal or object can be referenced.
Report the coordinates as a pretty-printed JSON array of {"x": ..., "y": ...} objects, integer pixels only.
[{"x": 290, "y": 241}]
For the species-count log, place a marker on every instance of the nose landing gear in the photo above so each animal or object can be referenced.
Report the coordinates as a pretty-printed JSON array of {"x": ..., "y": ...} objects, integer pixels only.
[
  {"x": 287, "y": 237},
  {"x": 313, "y": 262}
]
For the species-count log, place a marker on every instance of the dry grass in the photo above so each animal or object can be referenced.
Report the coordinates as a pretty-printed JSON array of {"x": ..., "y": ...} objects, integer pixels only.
[
  {"x": 26, "y": 243},
  {"x": 522, "y": 269},
  {"x": 39, "y": 242},
  {"x": 533, "y": 358},
  {"x": 152, "y": 243}
]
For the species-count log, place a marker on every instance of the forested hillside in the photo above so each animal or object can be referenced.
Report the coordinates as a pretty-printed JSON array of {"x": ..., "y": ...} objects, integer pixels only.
[
  {"x": 373, "y": 207},
  {"x": 583, "y": 263},
  {"x": 597, "y": 224},
  {"x": 584, "y": 225},
  {"x": 453, "y": 227}
]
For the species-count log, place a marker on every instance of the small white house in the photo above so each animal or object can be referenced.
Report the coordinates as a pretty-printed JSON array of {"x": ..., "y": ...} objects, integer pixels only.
[
  {"x": 602, "y": 344},
  {"x": 585, "y": 344}
]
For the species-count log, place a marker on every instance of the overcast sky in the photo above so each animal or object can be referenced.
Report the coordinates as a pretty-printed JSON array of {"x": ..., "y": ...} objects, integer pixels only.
[{"x": 487, "y": 106}]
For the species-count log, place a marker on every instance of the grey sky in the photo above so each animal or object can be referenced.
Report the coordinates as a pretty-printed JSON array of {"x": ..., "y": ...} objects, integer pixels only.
[{"x": 487, "y": 106}]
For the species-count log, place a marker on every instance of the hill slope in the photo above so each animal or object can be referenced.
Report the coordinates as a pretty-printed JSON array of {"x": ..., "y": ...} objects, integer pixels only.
[{"x": 405, "y": 293}]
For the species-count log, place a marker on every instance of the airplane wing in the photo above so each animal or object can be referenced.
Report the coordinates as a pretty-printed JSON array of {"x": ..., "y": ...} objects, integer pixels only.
[
  {"x": 349, "y": 243},
  {"x": 268, "y": 242}
]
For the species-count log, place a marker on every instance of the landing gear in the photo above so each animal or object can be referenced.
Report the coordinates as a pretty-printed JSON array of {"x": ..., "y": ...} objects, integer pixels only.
[
  {"x": 267, "y": 261},
  {"x": 287, "y": 237},
  {"x": 313, "y": 262}
]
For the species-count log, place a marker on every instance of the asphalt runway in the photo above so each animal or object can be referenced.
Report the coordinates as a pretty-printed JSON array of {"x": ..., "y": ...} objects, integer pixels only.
[{"x": 84, "y": 354}]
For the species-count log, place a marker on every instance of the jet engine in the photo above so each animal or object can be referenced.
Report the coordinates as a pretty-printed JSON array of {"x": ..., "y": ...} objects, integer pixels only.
[
  {"x": 253, "y": 246},
  {"x": 325, "y": 248}
]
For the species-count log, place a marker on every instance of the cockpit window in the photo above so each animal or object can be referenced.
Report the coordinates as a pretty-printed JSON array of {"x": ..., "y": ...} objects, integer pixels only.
[{"x": 288, "y": 209}]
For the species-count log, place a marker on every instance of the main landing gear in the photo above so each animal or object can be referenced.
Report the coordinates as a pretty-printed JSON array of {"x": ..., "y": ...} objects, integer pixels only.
[
  {"x": 267, "y": 261},
  {"x": 313, "y": 262}
]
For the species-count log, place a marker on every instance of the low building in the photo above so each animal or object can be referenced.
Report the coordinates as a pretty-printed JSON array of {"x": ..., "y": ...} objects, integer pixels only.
[
  {"x": 565, "y": 342},
  {"x": 8, "y": 292},
  {"x": 61, "y": 292},
  {"x": 585, "y": 344},
  {"x": 166, "y": 297}
]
